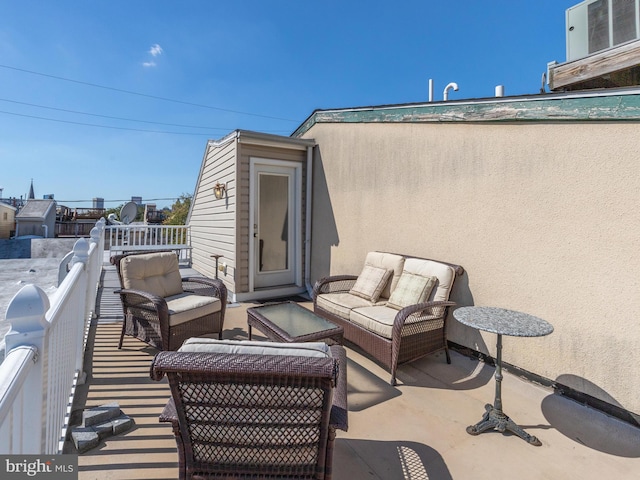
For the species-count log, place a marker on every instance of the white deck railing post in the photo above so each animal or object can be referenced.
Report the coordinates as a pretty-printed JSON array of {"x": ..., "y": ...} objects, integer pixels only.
[
  {"x": 27, "y": 315},
  {"x": 44, "y": 352}
]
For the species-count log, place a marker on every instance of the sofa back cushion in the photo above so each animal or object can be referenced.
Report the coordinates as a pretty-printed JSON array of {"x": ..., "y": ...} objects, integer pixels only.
[
  {"x": 429, "y": 268},
  {"x": 370, "y": 283},
  {"x": 388, "y": 261},
  {"x": 411, "y": 290},
  {"x": 156, "y": 273}
]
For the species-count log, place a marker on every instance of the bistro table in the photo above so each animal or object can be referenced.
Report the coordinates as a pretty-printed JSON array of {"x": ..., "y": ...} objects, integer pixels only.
[{"x": 501, "y": 322}]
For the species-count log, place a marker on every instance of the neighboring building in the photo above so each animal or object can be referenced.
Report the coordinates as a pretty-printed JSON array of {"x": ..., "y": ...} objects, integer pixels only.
[
  {"x": 13, "y": 201},
  {"x": 7, "y": 220},
  {"x": 77, "y": 222},
  {"x": 37, "y": 217},
  {"x": 603, "y": 47},
  {"x": 152, "y": 215}
]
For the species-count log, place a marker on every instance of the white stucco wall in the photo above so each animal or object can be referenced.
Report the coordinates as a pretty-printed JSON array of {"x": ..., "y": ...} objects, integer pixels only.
[{"x": 543, "y": 216}]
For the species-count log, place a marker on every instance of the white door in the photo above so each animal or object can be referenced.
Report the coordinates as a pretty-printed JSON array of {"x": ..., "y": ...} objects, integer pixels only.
[{"x": 275, "y": 220}]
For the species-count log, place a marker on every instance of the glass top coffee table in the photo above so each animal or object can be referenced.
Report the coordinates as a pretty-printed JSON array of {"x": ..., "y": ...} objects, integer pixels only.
[{"x": 289, "y": 322}]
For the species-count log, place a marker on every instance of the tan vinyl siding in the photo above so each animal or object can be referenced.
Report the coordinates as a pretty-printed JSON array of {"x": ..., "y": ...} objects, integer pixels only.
[
  {"x": 222, "y": 226},
  {"x": 213, "y": 221}
]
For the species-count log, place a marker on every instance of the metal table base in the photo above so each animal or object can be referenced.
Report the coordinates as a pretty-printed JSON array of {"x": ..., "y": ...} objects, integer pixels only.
[{"x": 494, "y": 417}]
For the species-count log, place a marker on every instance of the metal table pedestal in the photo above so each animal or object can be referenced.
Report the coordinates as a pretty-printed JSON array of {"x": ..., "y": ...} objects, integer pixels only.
[
  {"x": 501, "y": 322},
  {"x": 494, "y": 417}
]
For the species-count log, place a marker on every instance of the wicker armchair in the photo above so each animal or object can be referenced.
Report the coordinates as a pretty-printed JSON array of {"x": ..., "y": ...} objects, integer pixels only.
[
  {"x": 163, "y": 309},
  {"x": 242, "y": 416}
]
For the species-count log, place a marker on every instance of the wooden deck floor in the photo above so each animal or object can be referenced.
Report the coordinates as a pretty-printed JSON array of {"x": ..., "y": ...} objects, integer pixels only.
[
  {"x": 148, "y": 450},
  {"x": 413, "y": 431}
]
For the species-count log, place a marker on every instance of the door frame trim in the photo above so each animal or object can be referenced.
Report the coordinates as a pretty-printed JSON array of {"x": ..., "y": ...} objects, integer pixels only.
[{"x": 254, "y": 163}]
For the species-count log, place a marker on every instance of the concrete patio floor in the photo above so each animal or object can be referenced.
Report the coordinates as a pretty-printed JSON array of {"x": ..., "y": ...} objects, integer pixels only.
[{"x": 415, "y": 430}]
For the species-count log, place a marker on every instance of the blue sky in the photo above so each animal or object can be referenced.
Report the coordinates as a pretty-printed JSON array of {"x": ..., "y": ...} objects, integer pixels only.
[{"x": 90, "y": 88}]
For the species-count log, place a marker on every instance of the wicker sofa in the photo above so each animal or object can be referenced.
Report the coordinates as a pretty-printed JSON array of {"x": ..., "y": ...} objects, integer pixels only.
[
  {"x": 160, "y": 307},
  {"x": 247, "y": 410},
  {"x": 395, "y": 310}
]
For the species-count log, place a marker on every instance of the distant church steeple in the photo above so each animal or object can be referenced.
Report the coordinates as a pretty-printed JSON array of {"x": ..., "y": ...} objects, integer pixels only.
[{"x": 31, "y": 194}]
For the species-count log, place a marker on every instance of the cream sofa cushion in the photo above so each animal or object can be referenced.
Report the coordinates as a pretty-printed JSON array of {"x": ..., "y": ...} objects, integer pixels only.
[
  {"x": 388, "y": 261},
  {"x": 341, "y": 304},
  {"x": 411, "y": 290},
  {"x": 185, "y": 307},
  {"x": 427, "y": 268},
  {"x": 370, "y": 283},
  {"x": 155, "y": 273},
  {"x": 247, "y": 347},
  {"x": 379, "y": 319}
]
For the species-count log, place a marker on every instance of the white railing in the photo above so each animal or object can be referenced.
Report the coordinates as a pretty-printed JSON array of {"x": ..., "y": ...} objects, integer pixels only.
[
  {"x": 44, "y": 353},
  {"x": 126, "y": 238}
]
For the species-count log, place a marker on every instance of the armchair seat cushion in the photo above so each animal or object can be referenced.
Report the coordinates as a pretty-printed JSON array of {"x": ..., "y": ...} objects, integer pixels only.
[
  {"x": 342, "y": 303},
  {"x": 185, "y": 307},
  {"x": 246, "y": 347},
  {"x": 379, "y": 320}
]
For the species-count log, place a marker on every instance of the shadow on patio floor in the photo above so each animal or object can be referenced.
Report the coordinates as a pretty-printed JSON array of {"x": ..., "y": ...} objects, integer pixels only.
[
  {"x": 591, "y": 428},
  {"x": 392, "y": 460}
]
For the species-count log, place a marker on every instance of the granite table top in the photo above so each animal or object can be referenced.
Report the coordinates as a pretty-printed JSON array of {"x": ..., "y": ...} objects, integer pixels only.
[{"x": 503, "y": 321}]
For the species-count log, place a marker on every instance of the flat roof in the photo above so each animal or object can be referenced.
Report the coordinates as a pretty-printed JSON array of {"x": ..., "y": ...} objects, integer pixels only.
[
  {"x": 16, "y": 273},
  {"x": 619, "y": 104}
]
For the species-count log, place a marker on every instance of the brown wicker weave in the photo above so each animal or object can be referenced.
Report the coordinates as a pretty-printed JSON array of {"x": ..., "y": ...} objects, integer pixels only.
[
  {"x": 146, "y": 316},
  {"x": 418, "y": 330},
  {"x": 259, "y": 317},
  {"x": 254, "y": 416}
]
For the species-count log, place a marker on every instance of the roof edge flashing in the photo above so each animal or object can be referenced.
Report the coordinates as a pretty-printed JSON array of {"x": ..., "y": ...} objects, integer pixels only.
[
  {"x": 610, "y": 104},
  {"x": 250, "y": 137}
]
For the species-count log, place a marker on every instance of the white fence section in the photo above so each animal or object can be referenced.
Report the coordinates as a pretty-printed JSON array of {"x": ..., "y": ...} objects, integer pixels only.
[
  {"x": 140, "y": 237},
  {"x": 44, "y": 353}
]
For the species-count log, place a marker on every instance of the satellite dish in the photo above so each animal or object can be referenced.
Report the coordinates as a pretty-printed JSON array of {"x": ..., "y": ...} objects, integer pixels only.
[{"x": 128, "y": 212}]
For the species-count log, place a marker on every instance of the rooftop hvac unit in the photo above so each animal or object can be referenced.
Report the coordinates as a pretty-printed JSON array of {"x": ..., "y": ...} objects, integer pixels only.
[{"x": 595, "y": 25}]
